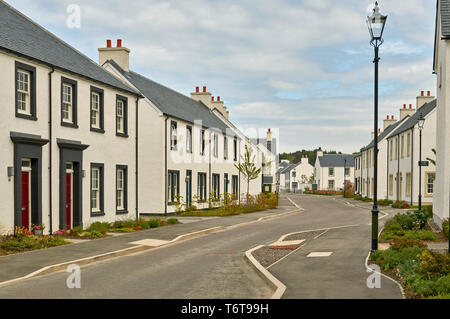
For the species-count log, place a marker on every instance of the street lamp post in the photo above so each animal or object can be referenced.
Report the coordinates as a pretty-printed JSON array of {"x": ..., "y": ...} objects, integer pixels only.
[
  {"x": 420, "y": 123},
  {"x": 376, "y": 23}
]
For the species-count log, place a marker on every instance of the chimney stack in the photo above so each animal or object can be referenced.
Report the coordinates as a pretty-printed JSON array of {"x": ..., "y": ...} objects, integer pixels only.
[
  {"x": 422, "y": 99},
  {"x": 119, "y": 54},
  {"x": 404, "y": 112},
  {"x": 204, "y": 97},
  {"x": 389, "y": 121}
]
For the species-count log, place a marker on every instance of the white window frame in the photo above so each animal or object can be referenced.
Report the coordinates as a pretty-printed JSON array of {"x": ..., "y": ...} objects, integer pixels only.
[
  {"x": 23, "y": 88},
  {"x": 95, "y": 189},
  {"x": 120, "y": 117},
  {"x": 120, "y": 190},
  {"x": 95, "y": 110},
  {"x": 331, "y": 169},
  {"x": 67, "y": 103},
  {"x": 428, "y": 184}
]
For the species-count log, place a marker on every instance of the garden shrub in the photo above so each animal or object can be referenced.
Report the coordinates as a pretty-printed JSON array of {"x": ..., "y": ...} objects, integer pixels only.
[
  {"x": 76, "y": 231},
  {"x": 172, "y": 221},
  {"x": 99, "y": 227},
  {"x": 154, "y": 223},
  {"x": 433, "y": 264},
  {"x": 384, "y": 202},
  {"x": 445, "y": 227},
  {"x": 401, "y": 205},
  {"x": 390, "y": 259},
  {"x": 401, "y": 243}
]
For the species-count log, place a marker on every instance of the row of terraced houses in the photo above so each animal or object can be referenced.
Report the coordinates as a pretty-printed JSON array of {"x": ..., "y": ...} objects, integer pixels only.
[
  {"x": 399, "y": 141},
  {"x": 85, "y": 141}
]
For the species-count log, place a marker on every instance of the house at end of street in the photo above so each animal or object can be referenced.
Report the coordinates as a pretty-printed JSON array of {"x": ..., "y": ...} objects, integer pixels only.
[{"x": 331, "y": 171}]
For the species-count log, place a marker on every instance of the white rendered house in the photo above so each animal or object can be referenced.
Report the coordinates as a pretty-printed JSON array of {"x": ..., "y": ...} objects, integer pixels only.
[
  {"x": 68, "y": 133},
  {"x": 332, "y": 170},
  {"x": 441, "y": 66},
  {"x": 402, "y": 174}
]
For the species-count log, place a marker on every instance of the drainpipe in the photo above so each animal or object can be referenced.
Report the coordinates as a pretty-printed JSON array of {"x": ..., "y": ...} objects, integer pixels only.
[
  {"x": 387, "y": 175},
  {"x": 399, "y": 180},
  {"x": 165, "y": 168},
  {"x": 50, "y": 137},
  {"x": 209, "y": 166},
  {"x": 137, "y": 157}
]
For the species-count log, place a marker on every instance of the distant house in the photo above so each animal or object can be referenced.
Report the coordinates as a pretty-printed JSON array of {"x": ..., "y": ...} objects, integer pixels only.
[
  {"x": 269, "y": 160},
  {"x": 402, "y": 174},
  {"x": 331, "y": 171}
]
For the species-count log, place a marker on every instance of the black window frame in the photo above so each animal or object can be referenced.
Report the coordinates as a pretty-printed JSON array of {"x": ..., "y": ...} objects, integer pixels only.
[
  {"x": 101, "y": 167},
  {"x": 74, "y": 85},
  {"x": 202, "y": 142},
  {"x": 235, "y": 149},
  {"x": 173, "y": 139},
  {"x": 202, "y": 187},
  {"x": 101, "y": 93},
  {"x": 171, "y": 174},
  {"x": 216, "y": 182},
  {"x": 225, "y": 146},
  {"x": 124, "y": 99},
  {"x": 225, "y": 183},
  {"x": 33, "y": 111},
  {"x": 123, "y": 211},
  {"x": 235, "y": 184},
  {"x": 189, "y": 139}
]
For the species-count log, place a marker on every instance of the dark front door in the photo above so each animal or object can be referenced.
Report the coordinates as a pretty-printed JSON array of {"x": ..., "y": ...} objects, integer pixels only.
[
  {"x": 26, "y": 200},
  {"x": 69, "y": 201},
  {"x": 188, "y": 188}
]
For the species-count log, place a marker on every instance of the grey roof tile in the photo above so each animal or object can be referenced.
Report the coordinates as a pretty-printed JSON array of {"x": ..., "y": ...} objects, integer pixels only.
[
  {"x": 25, "y": 37},
  {"x": 336, "y": 160},
  {"x": 173, "y": 103},
  {"x": 412, "y": 121}
]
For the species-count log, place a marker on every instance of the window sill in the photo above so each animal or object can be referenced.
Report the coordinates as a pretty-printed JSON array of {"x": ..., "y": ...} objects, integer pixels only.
[
  {"x": 67, "y": 124},
  {"x": 97, "y": 130},
  {"x": 26, "y": 116},
  {"x": 97, "y": 214},
  {"x": 122, "y": 212},
  {"x": 173, "y": 203},
  {"x": 125, "y": 135}
]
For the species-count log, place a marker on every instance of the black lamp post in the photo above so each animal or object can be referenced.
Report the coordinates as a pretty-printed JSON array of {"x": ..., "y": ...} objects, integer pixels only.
[
  {"x": 420, "y": 123},
  {"x": 376, "y": 23}
]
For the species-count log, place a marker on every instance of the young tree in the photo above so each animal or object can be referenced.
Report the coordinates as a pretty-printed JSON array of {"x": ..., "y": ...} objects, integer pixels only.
[
  {"x": 248, "y": 168},
  {"x": 432, "y": 160}
]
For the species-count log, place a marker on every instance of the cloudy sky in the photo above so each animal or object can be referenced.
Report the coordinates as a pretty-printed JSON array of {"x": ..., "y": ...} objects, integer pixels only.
[{"x": 301, "y": 67}]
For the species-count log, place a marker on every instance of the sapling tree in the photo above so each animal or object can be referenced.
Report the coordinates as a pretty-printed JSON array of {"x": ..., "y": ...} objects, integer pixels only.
[{"x": 248, "y": 168}]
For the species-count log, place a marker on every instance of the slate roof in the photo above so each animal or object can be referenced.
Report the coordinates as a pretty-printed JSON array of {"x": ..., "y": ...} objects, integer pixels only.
[
  {"x": 412, "y": 120},
  {"x": 25, "y": 37},
  {"x": 445, "y": 18},
  {"x": 385, "y": 133},
  {"x": 336, "y": 160},
  {"x": 173, "y": 103},
  {"x": 287, "y": 169}
]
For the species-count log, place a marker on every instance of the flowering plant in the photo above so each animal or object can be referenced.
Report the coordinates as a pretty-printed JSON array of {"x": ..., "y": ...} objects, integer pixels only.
[
  {"x": 61, "y": 232},
  {"x": 37, "y": 227}
]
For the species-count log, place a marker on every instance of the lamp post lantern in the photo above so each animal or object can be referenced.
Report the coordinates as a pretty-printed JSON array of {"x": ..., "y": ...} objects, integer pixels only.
[
  {"x": 420, "y": 123},
  {"x": 376, "y": 23}
]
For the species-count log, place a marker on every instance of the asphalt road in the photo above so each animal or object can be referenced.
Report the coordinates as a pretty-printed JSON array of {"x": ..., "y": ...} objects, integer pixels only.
[{"x": 214, "y": 266}]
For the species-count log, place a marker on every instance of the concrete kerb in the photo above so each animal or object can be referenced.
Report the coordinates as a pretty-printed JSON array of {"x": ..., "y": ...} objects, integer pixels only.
[
  {"x": 134, "y": 250},
  {"x": 277, "y": 285}
]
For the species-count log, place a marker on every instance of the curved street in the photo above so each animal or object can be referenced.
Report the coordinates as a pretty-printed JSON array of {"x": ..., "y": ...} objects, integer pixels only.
[{"x": 214, "y": 266}]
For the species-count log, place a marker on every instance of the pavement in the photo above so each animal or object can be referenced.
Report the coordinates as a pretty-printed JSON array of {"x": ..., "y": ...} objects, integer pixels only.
[
  {"x": 22, "y": 264},
  {"x": 215, "y": 266}
]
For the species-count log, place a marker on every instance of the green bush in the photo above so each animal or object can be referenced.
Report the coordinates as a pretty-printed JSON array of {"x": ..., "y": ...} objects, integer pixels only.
[
  {"x": 400, "y": 204},
  {"x": 99, "y": 227},
  {"x": 402, "y": 243},
  {"x": 384, "y": 202},
  {"x": 172, "y": 221},
  {"x": 445, "y": 227},
  {"x": 154, "y": 223},
  {"x": 76, "y": 231},
  {"x": 391, "y": 259},
  {"x": 434, "y": 265},
  {"x": 13, "y": 244}
]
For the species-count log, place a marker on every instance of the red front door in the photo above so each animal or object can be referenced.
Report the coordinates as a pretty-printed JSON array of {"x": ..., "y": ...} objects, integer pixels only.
[
  {"x": 69, "y": 201},
  {"x": 26, "y": 199}
]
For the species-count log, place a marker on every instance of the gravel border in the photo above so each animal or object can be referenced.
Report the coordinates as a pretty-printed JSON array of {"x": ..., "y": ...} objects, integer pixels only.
[
  {"x": 305, "y": 236},
  {"x": 267, "y": 256}
]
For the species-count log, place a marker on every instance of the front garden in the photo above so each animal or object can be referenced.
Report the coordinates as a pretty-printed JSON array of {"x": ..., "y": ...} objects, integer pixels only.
[
  {"x": 32, "y": 239},
  {"x": 423, "y": 273},
  {"x": 228, "y": 205}
]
